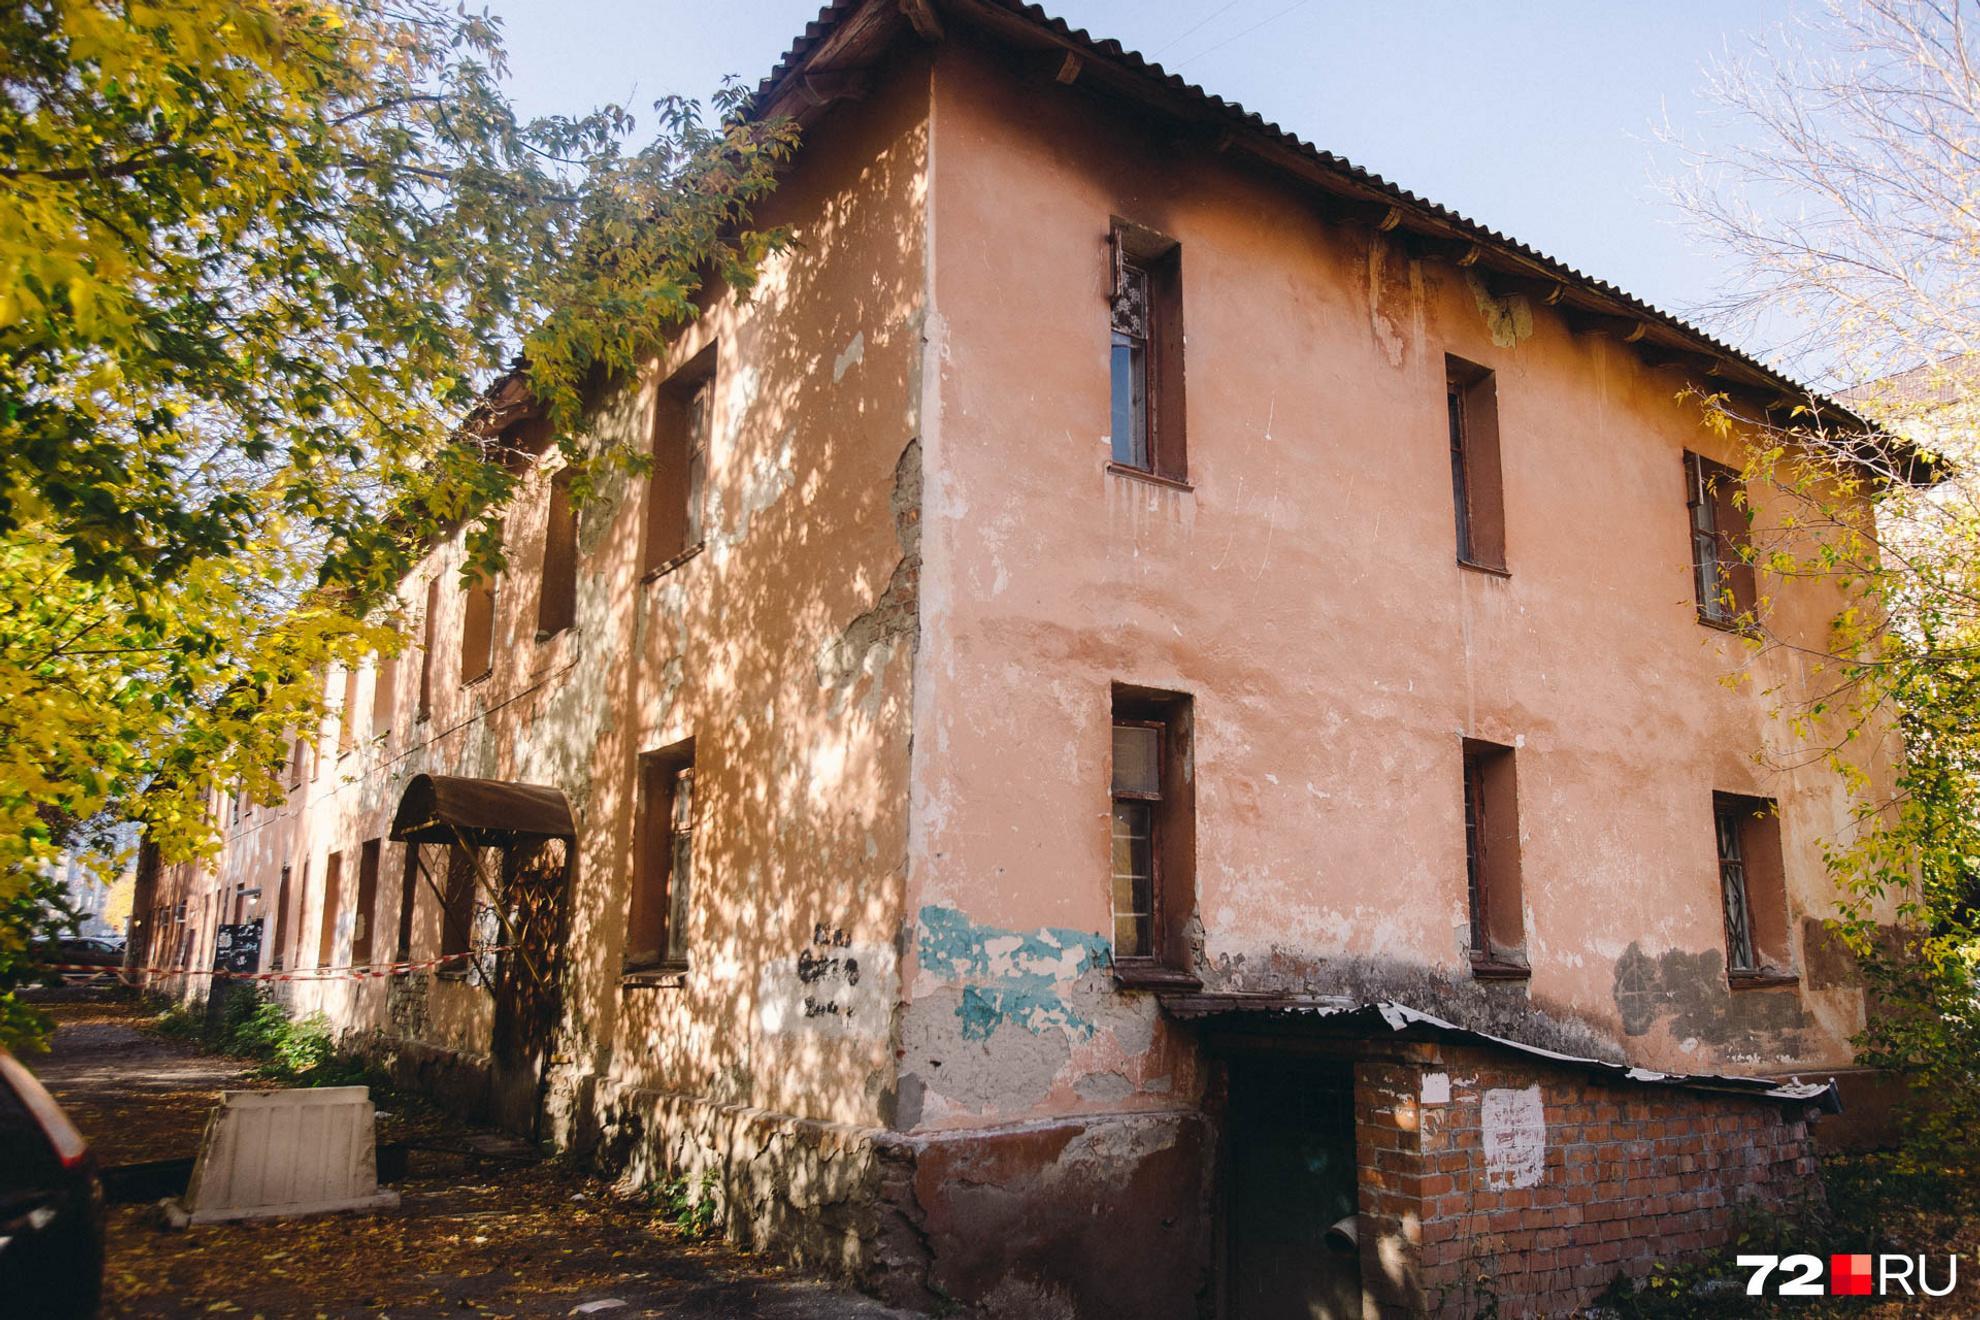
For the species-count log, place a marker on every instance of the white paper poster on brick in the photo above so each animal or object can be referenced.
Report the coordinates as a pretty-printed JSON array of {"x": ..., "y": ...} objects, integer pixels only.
[{"x": 1515, "y": 1132}]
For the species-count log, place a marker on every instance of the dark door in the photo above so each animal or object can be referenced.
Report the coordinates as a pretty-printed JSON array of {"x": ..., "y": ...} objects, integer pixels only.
[
  {"x": 527, "y": 979},
  {"x": 1292, "y": 1177}
]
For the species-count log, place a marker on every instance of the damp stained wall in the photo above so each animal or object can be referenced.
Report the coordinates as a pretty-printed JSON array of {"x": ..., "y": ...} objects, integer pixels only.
[{"x": 1305, "y": 592}]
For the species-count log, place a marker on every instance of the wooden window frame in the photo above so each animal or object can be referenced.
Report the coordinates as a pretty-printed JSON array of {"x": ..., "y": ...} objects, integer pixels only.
[
  {"x": 480, "y": 609},
  {"x": 408, "y": 902},
  {"x": 347, "y": 712},
  {"x": 1145, "y": 309},
  {"x": 675, "y": 520},
  {"x": 458, "y": 889},
  {"x": 429, "y": 634},
  {"x": 1471, "y": 407},
  {"x": 1751, "y": 868},
  {"x": 1712, "y": 498},
  {"x": 384, "y": 695},
  {"x": 365, "y": 911},
  {"x": 556, "y": 587},
  {"x": 1495, "y": 904},
  {"x": 333, "y": 901},
  {"x": 660, "y": 901},
  {"x": 1172, "y": 837}
]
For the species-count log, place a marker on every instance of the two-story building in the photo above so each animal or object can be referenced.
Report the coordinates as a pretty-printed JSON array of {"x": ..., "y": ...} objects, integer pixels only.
[{"x": 1157, "y": 741}]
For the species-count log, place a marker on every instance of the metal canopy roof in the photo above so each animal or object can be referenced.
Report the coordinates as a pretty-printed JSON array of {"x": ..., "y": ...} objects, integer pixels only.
[
  {"x": 1347, "y": 1017},
  {"x": 484, "y": 812}
]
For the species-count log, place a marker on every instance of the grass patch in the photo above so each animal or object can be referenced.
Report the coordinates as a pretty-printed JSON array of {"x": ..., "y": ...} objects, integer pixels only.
[{"x": 284, "y": 1048}]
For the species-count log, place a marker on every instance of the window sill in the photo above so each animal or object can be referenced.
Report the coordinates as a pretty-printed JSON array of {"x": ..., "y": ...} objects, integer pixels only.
[
  {"x": 1764, "y": 979},
  {"x": 1152, "y": 478},
  {"x": 479, "y": 678},
  {"x": 542, "y": 637},
  {"x": 451, "y": 974},
  {"x": 1499, "y": 969},
  {"x": 663, "y": 976},
  {"x": 1139, "y": 975},
  {"x": 1733, "y": 626},
  {"x": 666, "y": 566},
  {"x": 1490, "y": 570}
]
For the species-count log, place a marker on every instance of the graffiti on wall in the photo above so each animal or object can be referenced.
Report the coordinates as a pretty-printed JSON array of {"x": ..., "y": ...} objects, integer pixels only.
[{"x": 831, "y": 984}]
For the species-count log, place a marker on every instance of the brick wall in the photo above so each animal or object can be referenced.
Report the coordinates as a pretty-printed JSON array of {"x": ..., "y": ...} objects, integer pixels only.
[{"x": 1484, "y": 1177}]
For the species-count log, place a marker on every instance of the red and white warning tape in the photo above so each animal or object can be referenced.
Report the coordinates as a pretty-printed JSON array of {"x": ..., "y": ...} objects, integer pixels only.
[{"x": 88, "y": 971}]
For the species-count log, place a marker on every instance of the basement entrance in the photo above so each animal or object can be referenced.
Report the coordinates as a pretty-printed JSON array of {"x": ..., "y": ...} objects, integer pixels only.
[
  {"x": 1290, "y": 1153},
  {"x": 530, "y": 826}
]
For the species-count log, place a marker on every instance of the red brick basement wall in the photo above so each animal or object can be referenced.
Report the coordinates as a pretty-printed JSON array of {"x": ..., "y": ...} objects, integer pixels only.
[{"x": 1483, "y": 1178}]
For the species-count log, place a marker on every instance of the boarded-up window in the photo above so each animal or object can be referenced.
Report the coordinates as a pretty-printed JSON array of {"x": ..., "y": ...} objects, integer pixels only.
[
  {"x": 683, "y": 420},
  {"x": 408, "y": 902},
  {"x": 1145, "y": 363},
  {"x": 1491, "y": 861},
  {"x": 1752, "y": 885},
  {"x": 663, "y": 867},
  {"x": 384, "y": 694},
  {"x": 556, "y": 601},
  {"x": 478, "y": 628},
  {"x": 1721, "y": 577},
  {"x": 1153, "y": 878},
  {"x": 364, "y": 914},
  {"x": 296, "y": 754},
  {"x": 1477, "y": 486},
  {"x": 333, "y": 883},
  {"x": 428, "y": 635},
  {"x": 457, "y": 915},
  {"x": 290, "y": 941}
]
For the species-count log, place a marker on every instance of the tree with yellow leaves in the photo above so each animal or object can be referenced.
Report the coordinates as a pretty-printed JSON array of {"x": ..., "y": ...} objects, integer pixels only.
[{"x": 259, "y": 261}]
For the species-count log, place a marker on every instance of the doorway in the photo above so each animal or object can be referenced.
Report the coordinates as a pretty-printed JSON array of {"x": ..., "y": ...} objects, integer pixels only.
[
  {"x": 528, "y": 997},
  {"x": 1290, "y": 1151}
]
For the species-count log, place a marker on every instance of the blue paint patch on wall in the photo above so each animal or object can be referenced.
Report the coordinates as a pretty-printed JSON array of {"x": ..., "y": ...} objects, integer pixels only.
[{"x": 1009, "y": 977}]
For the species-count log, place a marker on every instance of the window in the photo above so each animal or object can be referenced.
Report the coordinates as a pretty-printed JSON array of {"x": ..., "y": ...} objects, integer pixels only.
[
  {"x": 408, "y": 903},
  {"x": 1491, "y": 861},
  {"x": 1752, "y": 887},
  {"x": 556, "y": 600},
  {"x": 384, "y": 694},
  {"x": 683, "y": 420},
  {"x": 296, "y": 763},
  {"x": 367, "y": 901},
  {"x": 279, "y": 957},
  {"x": 457, "y": 916},
  {"x": 478, "y": 628},
  {"x": 348, "y": 712},
  {"x": 1146, "y": 355},
  {"x": 333, "y": 883},
  {"x": 1721, "y": 577},
  {"x": 663, "y": 869},
  {"x": 427, "y": 637},
  {"x": 1153, "y": 834},
  {"x": 1477, "y": 489}
]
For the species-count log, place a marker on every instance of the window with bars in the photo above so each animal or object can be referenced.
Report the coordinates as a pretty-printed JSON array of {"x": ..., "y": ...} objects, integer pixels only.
[
  {"x": 1752, "y": 887},
  {"x": 1137, "y": 802},
  {"x": 1145, "y": 363},
  {"x": 1721, "y": 577}
]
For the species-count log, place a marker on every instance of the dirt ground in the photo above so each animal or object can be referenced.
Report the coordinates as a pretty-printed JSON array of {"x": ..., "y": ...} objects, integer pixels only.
[{"x": 472, "y": 1236}]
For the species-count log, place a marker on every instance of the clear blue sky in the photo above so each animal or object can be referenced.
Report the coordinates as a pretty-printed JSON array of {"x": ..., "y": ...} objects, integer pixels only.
[{"x": 1535, "y": 116}]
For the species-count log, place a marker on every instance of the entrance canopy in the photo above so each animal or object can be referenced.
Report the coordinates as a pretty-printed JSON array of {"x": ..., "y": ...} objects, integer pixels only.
[{"x": 482, "y": 812}]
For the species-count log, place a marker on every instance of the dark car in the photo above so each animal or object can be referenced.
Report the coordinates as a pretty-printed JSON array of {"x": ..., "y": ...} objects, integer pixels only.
[{"x": 51, "y": 1204}]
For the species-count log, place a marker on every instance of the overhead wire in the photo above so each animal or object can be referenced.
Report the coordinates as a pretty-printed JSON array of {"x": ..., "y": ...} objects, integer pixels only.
[{"x": 1297, "y": 4}]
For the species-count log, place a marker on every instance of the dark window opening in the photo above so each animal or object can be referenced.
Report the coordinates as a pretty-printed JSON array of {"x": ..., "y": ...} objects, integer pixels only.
[
  {"x": 675, "y": 497},
  {"x": 556, "y": 602},
  {"x": 1477, "y": 484},
  {"x": 347, "y": 713},
  {"x": 1721, "y": 576},
  {"x": 1152, "y": 883},
  {"x": 1491, "y": 861},
  {"x": 367, "y": 900},
  {"x": 1146, "y": 354},
  {"x": 478, "y": 628},
  {"x": 663, "y": 868},
  {"x": 457, "y": 915},
  {"x": 408, "y": 902},
  {"x": 1752, "y": 887}
]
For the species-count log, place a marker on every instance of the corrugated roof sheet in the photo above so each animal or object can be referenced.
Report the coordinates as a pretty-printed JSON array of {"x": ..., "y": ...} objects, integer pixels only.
[{"x": 1362, "y": 1018}]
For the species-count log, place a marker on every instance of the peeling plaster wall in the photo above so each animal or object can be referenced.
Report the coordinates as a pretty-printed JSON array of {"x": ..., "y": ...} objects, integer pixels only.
[
  {"x": 783, "y": 648},
  {"x": 1304, "y": 591}
]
